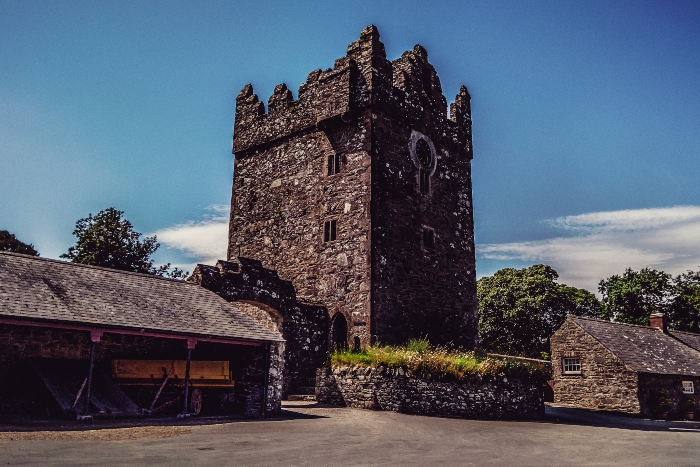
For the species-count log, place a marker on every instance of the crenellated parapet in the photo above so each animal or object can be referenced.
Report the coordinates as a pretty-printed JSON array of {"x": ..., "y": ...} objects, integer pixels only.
[
  {"x": 324, "y": 94},
  {"x": 408, "y": 89}
]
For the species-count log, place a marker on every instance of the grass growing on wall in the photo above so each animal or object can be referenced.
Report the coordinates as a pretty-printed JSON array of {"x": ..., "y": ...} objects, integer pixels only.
[{"x": 419, "y": 357}]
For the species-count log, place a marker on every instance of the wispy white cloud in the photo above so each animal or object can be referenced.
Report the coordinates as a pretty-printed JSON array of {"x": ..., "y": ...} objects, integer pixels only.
[
  {"x": 600, "y": 244},
  {"x": 204, "y": 241}
]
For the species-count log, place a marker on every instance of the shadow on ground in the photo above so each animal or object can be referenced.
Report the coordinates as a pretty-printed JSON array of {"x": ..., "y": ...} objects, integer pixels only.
[
  {"x": 570, "y": 416},
  {"x": 23, "y": 424},
  {"x": 305, "y": 411}
]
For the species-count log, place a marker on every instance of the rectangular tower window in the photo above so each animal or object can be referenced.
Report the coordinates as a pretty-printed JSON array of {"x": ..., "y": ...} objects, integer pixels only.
[
  {"x": 334, "y": 164},
  {"x": 330, "y": 230},
  {"x": 424, "y": 180},
  {"x": 428, "y": 238}
]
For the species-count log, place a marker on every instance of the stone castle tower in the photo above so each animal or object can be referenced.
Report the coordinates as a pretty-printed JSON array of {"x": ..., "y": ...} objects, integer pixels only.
[{"x": 359, "y": 194}]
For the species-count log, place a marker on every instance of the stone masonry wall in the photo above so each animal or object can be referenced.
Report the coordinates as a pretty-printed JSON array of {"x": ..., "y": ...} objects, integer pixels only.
[
  {"x": 650, "y": 386},
  {"x": 376, "y": 273},
  {"x": 392, "y": 389},
  {"x": 273, "y": 301},
  {"x": 605, "y": 382},
  {"x": 283, "y": 196},
  {"x": 419, "y": 290}
]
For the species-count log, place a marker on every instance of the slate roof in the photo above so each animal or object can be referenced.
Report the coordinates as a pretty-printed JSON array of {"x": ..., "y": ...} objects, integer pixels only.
[
  {"x": 644, "y": 349},
  {"x": 688, "y": 338},
  {"x": 42, "y": 289}
]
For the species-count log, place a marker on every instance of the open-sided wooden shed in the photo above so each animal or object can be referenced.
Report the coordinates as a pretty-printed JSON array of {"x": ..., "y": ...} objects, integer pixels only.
[{"x": 71, "y": 333}]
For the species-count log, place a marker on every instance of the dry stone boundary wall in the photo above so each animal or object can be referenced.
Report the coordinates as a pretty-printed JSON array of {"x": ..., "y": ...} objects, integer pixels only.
[{"x": 393, "y": 389}]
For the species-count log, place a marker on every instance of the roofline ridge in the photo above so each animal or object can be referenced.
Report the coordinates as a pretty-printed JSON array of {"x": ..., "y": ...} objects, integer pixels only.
[
  {"x": 617, "y": 323},
  {"x": 124, "y": 329},
  {"x": 684, "y": 346},
  {"x": 91, "y": 266},
  {"x": 626, "y": 364},
  {"x": 684, "y": 332}
]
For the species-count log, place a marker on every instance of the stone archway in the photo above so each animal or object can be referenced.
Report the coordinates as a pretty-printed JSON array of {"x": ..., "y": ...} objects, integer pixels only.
[
  {"x": 339, "y": 332},
  {"x": 260, "y": 293},
  {"x": 263, "y": 314}
]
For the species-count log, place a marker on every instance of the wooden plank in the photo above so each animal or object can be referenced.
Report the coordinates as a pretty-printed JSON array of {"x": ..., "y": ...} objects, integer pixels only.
[{"x": 142, "y": 372}]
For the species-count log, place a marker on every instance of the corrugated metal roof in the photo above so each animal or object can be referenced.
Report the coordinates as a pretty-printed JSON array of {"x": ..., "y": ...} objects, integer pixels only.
[
  {"x": 48, "y": 290},
  {"x": 642, "y": 348}
]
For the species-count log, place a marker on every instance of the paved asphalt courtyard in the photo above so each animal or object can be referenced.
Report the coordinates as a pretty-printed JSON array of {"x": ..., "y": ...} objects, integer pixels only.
[{"x": 320, "y": 436}]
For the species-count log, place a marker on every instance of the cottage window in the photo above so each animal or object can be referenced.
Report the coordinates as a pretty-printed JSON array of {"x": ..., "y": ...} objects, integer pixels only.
[
  {"x": 571, "y": 365},
  {"x": 688, "y": 387},
  {"x": 330, "y": 230},
  {"x": 334, "y": 164}
]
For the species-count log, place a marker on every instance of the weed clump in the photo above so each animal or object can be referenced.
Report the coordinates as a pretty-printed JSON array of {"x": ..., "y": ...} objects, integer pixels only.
[{"x": 419, "y": 357}]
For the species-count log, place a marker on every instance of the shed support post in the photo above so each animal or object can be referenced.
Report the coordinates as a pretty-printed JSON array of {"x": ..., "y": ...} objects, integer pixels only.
[
  {"x": 191, "y": 342},
  {"x": 95, "y": 337}
]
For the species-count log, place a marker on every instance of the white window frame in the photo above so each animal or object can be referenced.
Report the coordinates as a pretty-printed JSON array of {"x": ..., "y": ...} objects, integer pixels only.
[
  {"x": 571, "y": 365},
  {"x": 688, "y": 387}
]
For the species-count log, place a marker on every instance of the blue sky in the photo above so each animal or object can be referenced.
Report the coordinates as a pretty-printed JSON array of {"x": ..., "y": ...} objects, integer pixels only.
[{"x": 586, "y": 118}]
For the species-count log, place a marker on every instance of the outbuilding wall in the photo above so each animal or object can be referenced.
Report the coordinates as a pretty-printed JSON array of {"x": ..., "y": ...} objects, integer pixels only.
[
  {"x": 605, "y": 382},
  {"x": 652, "y": 387}
]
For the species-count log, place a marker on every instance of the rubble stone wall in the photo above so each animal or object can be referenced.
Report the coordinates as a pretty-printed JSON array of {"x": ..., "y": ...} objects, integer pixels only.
[
  {"x": 605, "y": 382},
  {"x": 671, "y": 387},
  {"x": 392, "y": 389},
  {"x": 376, "y": 273},
  {"x": 419, "y": 289},
  {"x": 272, "y": 301}
]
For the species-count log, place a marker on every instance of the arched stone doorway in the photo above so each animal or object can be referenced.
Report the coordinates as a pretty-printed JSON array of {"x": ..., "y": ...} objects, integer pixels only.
[{"x": 339, "y": 332}]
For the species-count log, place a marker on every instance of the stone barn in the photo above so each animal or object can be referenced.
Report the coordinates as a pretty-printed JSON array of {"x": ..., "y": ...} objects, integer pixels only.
[
  {"x": 78, "y": 340},
  {"x": 357, "y": 194},
  {"x": 650, "y": 371}
]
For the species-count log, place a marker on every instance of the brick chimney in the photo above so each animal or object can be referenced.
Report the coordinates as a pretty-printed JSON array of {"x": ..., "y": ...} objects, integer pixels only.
[{"x": 656, "y": 320}]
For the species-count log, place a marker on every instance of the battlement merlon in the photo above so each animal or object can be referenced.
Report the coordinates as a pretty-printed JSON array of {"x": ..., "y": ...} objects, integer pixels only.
[{"x": 408, "y": 89}]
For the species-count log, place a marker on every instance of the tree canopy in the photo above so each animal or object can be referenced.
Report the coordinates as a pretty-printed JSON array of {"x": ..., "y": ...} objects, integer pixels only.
[
  {"x": 520, "y": 308},
  {"x": 8, "y": 242},
  {"x": 634, "y": 295},
  {"x": 684, "y": 310},
  {"x": 109, "y": 240}
]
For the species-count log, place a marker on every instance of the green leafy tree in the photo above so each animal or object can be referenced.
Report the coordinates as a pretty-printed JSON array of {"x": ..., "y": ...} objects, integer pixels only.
[
  {"x": 109, "y": 240},
  {"x": 684, "y": 309},
  {"x": 8, "y": 242},
  {"x": 520, "y": 308},
  {"x": 633, "y": 296}
]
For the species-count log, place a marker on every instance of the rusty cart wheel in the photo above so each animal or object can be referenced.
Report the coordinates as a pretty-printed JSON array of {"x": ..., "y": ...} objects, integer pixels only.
[{"x": 196, "y": 401}]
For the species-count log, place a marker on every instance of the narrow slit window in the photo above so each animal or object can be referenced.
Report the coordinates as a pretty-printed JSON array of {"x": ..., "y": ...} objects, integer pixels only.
[
  {"x": 334, "y": 164},
  {"x": 571, "y": 365},
  {"x": 424, "y": 180},
  {"x": 330, "y": 230},
  {"x": 428, "y": 238}
]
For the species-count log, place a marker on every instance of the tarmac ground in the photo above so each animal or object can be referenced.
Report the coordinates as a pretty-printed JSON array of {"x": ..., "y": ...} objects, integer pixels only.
[{"x": 309, "y": 434}]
